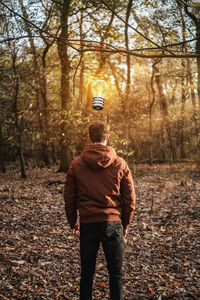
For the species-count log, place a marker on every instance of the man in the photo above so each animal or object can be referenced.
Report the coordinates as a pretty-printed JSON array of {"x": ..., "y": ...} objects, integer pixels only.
[{"x": 99, "y": 186}]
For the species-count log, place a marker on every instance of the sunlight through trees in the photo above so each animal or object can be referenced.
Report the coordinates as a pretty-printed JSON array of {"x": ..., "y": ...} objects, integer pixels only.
[{"x": 51, "y": 52}]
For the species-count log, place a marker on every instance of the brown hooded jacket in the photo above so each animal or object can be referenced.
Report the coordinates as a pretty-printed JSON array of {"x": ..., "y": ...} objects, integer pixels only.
[{"x": 99, "y": 185}]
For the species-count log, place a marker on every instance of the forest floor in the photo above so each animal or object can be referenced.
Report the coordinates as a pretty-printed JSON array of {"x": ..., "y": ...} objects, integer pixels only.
[{"x": 39, "y": 256}]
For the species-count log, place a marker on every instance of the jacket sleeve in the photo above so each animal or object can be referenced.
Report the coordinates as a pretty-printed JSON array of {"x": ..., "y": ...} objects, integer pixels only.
[
  {"x": 128, "y": 197},
  {"x": 70, "y": 198}
]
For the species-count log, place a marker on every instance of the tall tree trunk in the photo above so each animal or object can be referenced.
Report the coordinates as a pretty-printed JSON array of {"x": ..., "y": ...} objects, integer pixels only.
[
  {"x": 128, "y": 59},
  {"x": 125, "y": 98},
  {"x": 198, "y": 58},
  {"x": 150, "y": 131},
  {"x": 196, "y": 21},
  {"x": 197, "y": 26},
  {"x": 2, "y": 163},
  {"x": 165, "y": 114},
  {"x": 2, "y": 166},
  {"x": 151, "y": 104},
  {"x": 81, "y": 80},
  {"x": 183, "y": 86},
  {"x": 21, "y": 157},
  {"x": 43, "y": 88},
  {"x": 193, "y": 98},
  {"x": 45, "y": 148},
  {"x": 65, "y": 154},
  {"x": 183, "y": 99},
  {"x": 18, "y": 123},
  {"x": 162, "y": 142}
]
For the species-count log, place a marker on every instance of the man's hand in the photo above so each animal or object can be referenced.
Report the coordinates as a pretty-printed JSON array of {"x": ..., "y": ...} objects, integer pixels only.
[
  {"x": 125, "y": 233},
  {"x": 125, "y": 236},
  {"x": 76, "y": 232}
]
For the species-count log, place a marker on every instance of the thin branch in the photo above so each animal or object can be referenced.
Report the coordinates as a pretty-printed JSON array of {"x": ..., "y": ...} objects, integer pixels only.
[
  {"x": 96, "y": 42},
  {"x": 146, "y": 38},
  {"x": 142, "y": 55},
  {"x": 38, "y": 28},
  {"x": 18, "y": 38},
  {"x": 113, "y": 49}
]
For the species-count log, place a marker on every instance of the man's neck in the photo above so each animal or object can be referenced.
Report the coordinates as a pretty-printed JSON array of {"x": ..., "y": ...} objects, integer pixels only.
[{"x": 102, "y": 143}]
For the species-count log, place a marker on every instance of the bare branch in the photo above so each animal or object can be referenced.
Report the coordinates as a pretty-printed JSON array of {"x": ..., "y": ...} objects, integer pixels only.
[
  {"x": 146, "y": 38},
  {"x": 123, "y": 51},
  {"x": 38, "y": 28},
  {"x": 109, "y": 48}
]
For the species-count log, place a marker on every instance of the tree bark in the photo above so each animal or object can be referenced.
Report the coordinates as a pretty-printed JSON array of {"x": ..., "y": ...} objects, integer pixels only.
[
  {"x": 183, "y": 100},
  {"x": 128, "y": 60},
  {"x": 45, "y": 132},
  {"x": 198, "y": 58},
  {"x": 151, "y": 104},
  {"x": 1, "y": 151},
  {"x": 183, "y": 87},
  {"x": 82, "y": 69},
  {"x": 165, "y": 114},
  {"x": 18, "y": 123},
  {"x": 21, "y": 157},
  {"x": 197, "y": 26},
  {"x": 65, "y": 154}
]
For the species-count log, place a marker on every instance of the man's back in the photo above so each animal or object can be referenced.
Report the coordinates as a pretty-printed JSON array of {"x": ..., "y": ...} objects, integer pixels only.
[{"x": 104, "y": 185}]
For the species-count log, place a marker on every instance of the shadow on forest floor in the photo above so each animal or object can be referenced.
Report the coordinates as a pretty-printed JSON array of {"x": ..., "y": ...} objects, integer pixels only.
[{"x": 39, "y": 257}]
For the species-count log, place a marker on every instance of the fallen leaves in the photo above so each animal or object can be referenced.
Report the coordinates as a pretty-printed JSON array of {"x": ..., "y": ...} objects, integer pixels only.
[
  {"x": 102, "y": 285},
  {"x": 18, "y": 262},
  {"x": 39, "y": 256}
]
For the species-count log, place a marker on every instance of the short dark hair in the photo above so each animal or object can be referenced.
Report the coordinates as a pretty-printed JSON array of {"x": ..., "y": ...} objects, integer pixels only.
[{"x": 98, "y": 131}]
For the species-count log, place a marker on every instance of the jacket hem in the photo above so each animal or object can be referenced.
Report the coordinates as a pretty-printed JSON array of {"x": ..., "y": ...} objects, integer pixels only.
[{"x": 93, "y": 219}]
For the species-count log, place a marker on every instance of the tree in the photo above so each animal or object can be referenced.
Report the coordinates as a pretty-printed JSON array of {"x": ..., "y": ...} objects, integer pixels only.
[
  {"x": 65, "y": 155},
  {"x": 39, "y": 62},
  {"x": 17, "y": 115},
  {"x": 196, "y": 21}
]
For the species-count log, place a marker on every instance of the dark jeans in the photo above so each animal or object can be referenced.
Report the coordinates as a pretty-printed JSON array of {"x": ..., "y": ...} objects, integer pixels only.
[{"x": 110, "y": 234}]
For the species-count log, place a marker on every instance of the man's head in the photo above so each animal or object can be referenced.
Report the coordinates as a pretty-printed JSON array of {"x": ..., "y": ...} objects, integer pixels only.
[{"x": 99, "y": 132}]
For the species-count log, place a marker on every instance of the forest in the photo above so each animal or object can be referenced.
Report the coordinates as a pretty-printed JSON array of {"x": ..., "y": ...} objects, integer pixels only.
[{"x": 51, "y": 52}]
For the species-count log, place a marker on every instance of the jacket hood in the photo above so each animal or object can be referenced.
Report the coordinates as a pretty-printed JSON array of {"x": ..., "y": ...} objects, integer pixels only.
[{"x": 98, "y": 156}]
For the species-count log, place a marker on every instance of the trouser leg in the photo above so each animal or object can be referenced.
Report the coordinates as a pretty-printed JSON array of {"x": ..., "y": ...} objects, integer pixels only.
[
  {"x": 88, "y": 252},
  {"x": 113, "y": 249}
]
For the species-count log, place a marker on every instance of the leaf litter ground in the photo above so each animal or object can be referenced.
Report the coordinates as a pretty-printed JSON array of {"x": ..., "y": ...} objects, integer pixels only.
[{"x": 39, "y": 256}]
